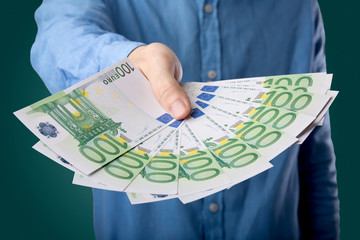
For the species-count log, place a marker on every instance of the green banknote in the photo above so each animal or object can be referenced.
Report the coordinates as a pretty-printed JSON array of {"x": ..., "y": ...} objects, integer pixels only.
[
  {"x": 199, "y": 170},
  {"x": 309, "y": 82},
  {"x": 319, "y": 119},
  {"x": 98, "y": 119},
  {"x": 160, "y": 176}
]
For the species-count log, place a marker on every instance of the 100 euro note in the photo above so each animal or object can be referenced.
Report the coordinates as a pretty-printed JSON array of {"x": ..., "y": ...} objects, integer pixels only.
[
  {"x": 319, "y": 119},
  {"x": 160, "y": 176},
  {"x": 198, "y": 170},
  {"x": 308, "y": 82},
  {"x": 98, "y": 119},
  {"x": 165, "y": 171}
]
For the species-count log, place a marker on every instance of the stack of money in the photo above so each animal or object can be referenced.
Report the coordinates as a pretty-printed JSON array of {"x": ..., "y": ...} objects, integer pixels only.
[{"x": 112, "y": 133}]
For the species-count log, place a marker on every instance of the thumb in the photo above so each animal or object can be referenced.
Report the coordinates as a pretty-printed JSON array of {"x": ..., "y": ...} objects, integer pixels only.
[
  {"x": 163, "y": 70},
  {"x": 171, "y": 96}
]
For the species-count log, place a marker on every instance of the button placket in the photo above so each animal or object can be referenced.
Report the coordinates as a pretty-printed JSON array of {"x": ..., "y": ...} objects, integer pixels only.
[{"x": 210, "y": 42}]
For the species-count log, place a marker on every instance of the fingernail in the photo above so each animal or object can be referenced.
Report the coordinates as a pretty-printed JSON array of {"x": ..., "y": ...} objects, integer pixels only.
[{"x": 177, "y": 109}]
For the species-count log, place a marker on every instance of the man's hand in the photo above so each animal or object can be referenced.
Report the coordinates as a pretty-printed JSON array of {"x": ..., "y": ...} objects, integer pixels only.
[{"x": 163, "y": 70}]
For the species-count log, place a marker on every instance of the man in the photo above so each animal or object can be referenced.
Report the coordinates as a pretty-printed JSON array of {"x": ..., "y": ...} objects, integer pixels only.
[{"x": 212, "y": 40}]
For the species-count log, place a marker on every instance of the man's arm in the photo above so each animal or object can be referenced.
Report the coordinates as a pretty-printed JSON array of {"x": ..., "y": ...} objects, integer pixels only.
[
  {"x": 319, "y": 203},
  {"x": 77, "y": 39}
]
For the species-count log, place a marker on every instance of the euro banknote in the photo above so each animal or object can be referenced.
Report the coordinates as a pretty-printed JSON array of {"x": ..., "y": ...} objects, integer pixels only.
[{"x": 98, "y": 119}]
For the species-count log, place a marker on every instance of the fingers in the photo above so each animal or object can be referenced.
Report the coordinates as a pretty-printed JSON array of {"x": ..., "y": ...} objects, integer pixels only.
[{"x": 163, "y": 70}]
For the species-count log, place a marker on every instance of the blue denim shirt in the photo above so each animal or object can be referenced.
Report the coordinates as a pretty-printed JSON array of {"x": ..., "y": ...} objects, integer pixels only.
[{"x": 214, "y": 40}]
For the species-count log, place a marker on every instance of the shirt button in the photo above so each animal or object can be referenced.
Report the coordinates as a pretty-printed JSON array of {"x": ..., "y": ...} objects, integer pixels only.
[
  {"x": 211, "y": 74},
  {"x": 214, "y": 207},
  {"x": 208, "y": 8}
]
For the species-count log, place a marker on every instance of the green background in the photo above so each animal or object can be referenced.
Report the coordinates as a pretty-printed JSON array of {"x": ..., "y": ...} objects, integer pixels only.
[{"x": 38, "y": 200}]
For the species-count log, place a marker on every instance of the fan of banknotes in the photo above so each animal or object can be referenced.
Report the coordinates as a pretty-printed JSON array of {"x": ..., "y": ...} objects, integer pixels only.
[{"x": 112, "y": 133}]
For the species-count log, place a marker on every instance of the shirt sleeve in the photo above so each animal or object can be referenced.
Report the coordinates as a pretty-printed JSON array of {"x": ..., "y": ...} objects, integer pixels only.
[
  {"x": 75, "y": 39},
  {"x": 319, "y": 203}
]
